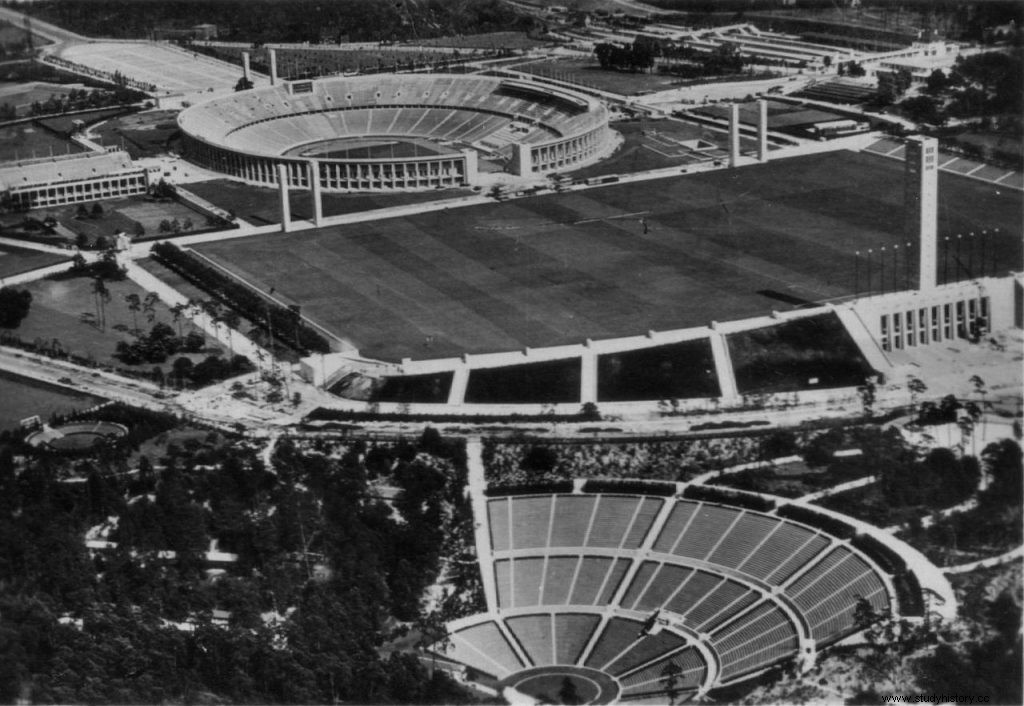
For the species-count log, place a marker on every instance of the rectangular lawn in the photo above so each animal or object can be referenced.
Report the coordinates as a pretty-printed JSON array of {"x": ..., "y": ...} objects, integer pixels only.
[{"x": 565, "y": 267}]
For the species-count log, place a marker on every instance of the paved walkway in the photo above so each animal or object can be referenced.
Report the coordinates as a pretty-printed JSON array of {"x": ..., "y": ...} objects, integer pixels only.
[
  {"x": 1010, "y": 556},
  {"x": 230, "y": 338},
  {"x": 476, "y": 487},
  {"x": 841, "y": 488}
]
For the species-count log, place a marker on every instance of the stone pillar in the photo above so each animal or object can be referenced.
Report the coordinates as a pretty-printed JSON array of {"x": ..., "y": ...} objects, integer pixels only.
[
  {"x": 471, "y": 166},
  {"x": 273, "y": 66},
  {"x": 588, "y": 376},
  {"x": 762, "y": 130},
  {"x": 734, "y": 135},
  {"x": 246, "y": 67},
  {"x": 286, "y": 208},
  {"x": 921, "y": 205},
  {"x": 460, "y": 379},
  {"x": 521, "y": 165},
  {"x": 317, "y": 192}
]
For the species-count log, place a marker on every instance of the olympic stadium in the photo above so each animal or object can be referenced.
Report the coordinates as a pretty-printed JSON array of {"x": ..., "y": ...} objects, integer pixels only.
[{"x": 395, "y": 132}]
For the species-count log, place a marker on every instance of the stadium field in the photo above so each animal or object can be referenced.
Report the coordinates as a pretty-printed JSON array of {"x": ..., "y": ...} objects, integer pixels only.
[
  {"x": 562, "y": 268},
  {"x": 370, "y": 149}
]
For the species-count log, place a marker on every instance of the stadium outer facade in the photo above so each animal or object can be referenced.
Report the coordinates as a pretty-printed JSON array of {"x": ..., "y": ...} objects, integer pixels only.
[{"x": 529, "y": 128}]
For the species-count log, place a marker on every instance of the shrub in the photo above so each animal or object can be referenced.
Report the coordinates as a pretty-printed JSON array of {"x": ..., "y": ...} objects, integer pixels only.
[
  {"x": 559, "y": 486},
  {"x": 240, "y": 298},
  {"x": 728, "y": 497},
  {"x": 886, "y": 558},
  {"x": 631, "y": 487},
  {"x": 835, "y": 527}
]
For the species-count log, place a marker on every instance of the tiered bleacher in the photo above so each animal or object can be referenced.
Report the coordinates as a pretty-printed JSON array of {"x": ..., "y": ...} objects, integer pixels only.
[
  {"x": 582, "y": 578},
  {"x": 250, "y": 132}
]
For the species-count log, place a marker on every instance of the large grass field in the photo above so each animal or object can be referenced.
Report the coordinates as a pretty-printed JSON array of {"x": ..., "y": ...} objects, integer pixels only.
[
  {"x": 561, "y": 268},
  {"x": 65, "y": 311}
]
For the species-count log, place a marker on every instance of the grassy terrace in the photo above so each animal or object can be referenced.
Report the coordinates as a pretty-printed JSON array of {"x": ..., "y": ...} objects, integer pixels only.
[
  {"x": 15, "y": 260},
  {"x": 561, "y": 268}
]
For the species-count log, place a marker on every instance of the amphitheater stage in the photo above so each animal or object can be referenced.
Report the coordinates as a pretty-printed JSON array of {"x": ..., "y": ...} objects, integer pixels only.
[
  {"x": 564, "y": 684},
  {"x": 562, "y": 268}
]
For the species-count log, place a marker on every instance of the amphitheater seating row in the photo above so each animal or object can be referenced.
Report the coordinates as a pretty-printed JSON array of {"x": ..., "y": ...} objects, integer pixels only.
[
  {"x": 827, "y": 595},
  {"x": 483, "y": 647},
  {"x": 553, "y": 638},
  {"x": 558, "y": 580},
  {"x": 682, "y": 673},
  {"x": 823, "y": 584},
  {"x": 753, "y": 640},
  {"x": 704, "y": 600},
  {"x": 610, "y": 521},
  {"x": 469, "y": 109},
  {"x": 759, "y": 545}
]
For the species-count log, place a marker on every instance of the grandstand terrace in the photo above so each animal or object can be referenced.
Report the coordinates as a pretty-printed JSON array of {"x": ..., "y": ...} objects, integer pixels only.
[
  {"x": 641, "y": 587},
  {"x": 415, "y": 131}
]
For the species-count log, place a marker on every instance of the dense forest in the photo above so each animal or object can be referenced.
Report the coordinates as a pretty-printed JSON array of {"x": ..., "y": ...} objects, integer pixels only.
[
  {"x": 326, "y": 572},
  {"x": 276, "y": 21}
]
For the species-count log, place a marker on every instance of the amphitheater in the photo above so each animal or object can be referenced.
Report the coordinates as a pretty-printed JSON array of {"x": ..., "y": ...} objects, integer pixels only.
[
  {"x": 395, "y": 132},
  {"x": 674, "y": 590}
]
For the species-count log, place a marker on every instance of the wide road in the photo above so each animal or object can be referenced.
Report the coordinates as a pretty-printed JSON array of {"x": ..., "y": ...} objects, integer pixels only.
[{"x": 94, "y": 382}]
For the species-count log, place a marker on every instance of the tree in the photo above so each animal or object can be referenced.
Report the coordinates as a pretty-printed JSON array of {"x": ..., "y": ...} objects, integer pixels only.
[
  {"x": 140, "y": 230},
  {"x": 134, "y": 306},
  {"x": 14, "y": 306},
  {"x": 936, "y": 82},
  {"x": 916, "y": 387},
  {"x": 97, "y": 211},
  {"x": 101, "y": 295},
  {"x": 867, "y": 397},
  {"x": 177, "y": 312},
  {"x": 924, "y": 109}
]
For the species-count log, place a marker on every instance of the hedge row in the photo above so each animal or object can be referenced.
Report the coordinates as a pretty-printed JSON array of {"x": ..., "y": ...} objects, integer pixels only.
[
  {"x": 712, "y": 494},
  {"x": 323, "y": 414},
  {"x": 890, "y": 561},
  {"x": 632, "y": 487},
  {"x": 826, "y": 523},
  {"x": 557, "y": 486},
  {"x": 242, "y": 299},
  {"x": 908, "y": 594}
]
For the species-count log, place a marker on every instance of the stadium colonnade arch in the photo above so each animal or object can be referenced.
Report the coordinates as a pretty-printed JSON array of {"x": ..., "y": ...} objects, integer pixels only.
[{"x": 395, "y": 131}]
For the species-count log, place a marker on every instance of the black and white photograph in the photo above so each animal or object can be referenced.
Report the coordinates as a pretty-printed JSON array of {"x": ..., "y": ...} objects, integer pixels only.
[{"x": 511, "y": 352}]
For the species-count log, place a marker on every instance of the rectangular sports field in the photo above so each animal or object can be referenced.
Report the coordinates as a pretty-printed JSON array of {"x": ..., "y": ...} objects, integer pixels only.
[{"x": 561, "y": 268}]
